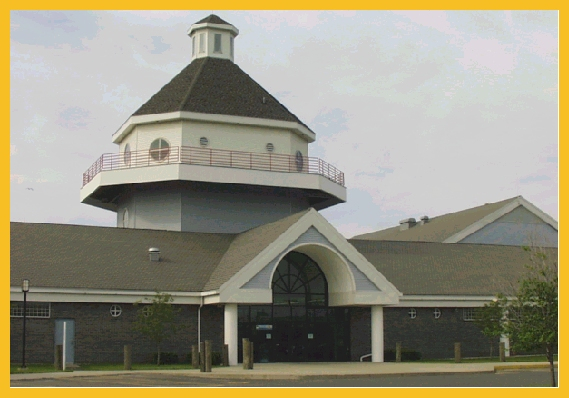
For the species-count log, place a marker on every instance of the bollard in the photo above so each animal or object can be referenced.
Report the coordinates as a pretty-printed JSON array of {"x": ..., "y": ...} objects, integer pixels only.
[
  {"x": 127, "y": 357},
  {"x": 502, "y": 351},
  {"x": 58, "y": 363},
  {"x": 195, "y": 357},
  {"x": 202, "y": 357},
  {"x": 208, "y": 355},
  {"x": 251, "y": 355},
  {"x": 457, "y": 357},
  {"x": 398, "y": 352},
  {"x": 226, "y": 355},
  {"x": 246, "y": 353}
]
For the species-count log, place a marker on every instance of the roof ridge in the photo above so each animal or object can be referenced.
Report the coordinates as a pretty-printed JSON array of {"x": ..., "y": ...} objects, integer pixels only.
[{"x": 194, "y": 80}]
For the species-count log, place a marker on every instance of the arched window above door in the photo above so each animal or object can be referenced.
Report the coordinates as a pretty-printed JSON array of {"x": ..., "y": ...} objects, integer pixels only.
[{"x": 298, "y": 280}]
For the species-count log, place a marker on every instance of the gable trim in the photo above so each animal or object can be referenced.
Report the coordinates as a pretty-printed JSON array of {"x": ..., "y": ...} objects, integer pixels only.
[
  {"x": 490, "y": 218},
  {"x": 231, "y": 290}
]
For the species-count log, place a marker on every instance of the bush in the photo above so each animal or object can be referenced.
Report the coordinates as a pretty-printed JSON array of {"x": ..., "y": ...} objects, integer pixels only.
[
  {"x": 406, "y": 355},
  {"x": 166, "y": 358},
  {"x": 216, "y": 358}
]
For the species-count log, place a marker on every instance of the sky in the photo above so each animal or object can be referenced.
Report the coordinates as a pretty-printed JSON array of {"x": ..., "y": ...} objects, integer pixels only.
[{"x": 426, "y": 112}]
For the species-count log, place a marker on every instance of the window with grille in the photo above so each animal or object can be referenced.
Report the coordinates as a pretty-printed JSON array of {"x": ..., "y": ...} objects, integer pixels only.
[
  {"x": 159, "y": 149},
  {"x": 33, "y": 310},
  {"x": 437, "y": 313},
  {"x": 468, "y": 314}
]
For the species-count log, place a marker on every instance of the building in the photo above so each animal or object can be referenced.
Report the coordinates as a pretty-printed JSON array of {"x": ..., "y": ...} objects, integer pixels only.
[{"x": 217, "y": 204}]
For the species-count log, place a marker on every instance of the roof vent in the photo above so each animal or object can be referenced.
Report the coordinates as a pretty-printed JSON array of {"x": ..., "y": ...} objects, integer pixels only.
[
  {"x": 154, "y": 254},
  {"x": 424, "y": 220},
  {"x": 407, "y": 223}
]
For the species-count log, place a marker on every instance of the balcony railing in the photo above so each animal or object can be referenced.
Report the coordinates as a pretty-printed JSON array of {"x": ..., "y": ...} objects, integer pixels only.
[{"x": 214, "y": 157}]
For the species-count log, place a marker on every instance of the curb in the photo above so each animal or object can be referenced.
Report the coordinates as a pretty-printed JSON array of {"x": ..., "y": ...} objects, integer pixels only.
[{"x": 499, "y": 368}]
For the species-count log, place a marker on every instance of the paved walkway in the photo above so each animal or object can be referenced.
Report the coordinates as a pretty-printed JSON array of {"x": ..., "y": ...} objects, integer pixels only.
[{"x": 296, "y": 371}]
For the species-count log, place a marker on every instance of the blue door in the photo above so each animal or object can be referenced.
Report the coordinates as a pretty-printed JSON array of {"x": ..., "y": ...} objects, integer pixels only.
[{"x": 69, "y": 337}]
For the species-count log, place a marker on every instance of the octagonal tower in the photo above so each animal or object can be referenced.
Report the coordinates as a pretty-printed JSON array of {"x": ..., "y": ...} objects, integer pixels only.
[{"x": 212, "y": 151}]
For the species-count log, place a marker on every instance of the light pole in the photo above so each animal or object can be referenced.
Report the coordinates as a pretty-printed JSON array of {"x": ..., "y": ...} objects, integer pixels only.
[{"x": 25, "y": 289}]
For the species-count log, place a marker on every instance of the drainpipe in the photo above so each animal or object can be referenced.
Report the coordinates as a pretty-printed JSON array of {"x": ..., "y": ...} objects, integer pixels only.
[{"x": 199, "y": 323}]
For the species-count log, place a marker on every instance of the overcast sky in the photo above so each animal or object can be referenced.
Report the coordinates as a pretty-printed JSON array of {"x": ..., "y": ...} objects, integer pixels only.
[{"x": 425, "y": 112}]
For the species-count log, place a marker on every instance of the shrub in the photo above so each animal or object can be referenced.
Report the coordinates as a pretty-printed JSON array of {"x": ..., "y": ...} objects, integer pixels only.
[
  {"x": 166, "y": 358},
  {"x": 406, "y": 355}
]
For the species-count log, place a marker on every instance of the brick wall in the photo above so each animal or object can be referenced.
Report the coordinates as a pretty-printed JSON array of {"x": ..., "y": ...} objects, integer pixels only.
[
  {"x": 99, "y": 337},
  {"x": 435, "y": 338}
]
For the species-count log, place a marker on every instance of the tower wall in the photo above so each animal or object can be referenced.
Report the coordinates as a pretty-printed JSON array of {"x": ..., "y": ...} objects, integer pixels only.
[{"x": 210, "y": 208}]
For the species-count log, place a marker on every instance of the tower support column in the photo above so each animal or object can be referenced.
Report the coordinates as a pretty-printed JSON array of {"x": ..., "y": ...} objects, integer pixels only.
[
  {"x": 376, "y": 333},
  {"x": 230, "y": 331}
]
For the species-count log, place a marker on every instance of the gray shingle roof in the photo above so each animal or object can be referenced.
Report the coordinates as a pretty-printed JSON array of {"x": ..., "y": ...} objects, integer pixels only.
[
  {"x": 216, "y": 86},
  {"x": 438, "y": 228},
  {"x": 213, "y": 19},
  {"x": 246, "y": 246},
  {"x": 76, "y": 256},
  {"x": 73, "y": 256},
  {"x": 426, "y": 268}
]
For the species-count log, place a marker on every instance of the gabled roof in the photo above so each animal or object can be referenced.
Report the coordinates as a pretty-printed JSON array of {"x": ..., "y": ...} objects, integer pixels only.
[
  {"x": 453, "y": 227},
  {"x": 427, "y": 268},
  {"x": 246, "y": 246},
  {"x": 216, "y": 86}
]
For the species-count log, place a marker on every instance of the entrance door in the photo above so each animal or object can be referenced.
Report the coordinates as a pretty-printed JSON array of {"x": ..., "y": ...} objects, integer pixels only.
[{"x": 69, "y": 337}]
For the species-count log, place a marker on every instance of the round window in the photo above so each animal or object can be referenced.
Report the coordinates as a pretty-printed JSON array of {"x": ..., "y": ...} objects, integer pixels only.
[
  {"x": 127, "y": 154},
  {"x": 270, "y": 147},
  {"x": 116, "y": 310},
  {"x": 159, "y": 149},
  {"x": 125, "y": 218},
  {"x": 146, "y": 311},
  {"x": 299, "y": 159},
  {"x": 412, "y": 313},
  {"x": 437, "y": 313},
  {"x": 204, "y": 141}
]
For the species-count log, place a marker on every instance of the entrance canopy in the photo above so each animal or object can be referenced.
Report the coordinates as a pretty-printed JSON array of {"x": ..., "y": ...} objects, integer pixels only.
[{"x": 351, "y": 279}]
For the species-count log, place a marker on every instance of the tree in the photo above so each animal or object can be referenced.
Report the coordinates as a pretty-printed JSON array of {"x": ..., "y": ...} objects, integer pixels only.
[
  {"x": 529, "y": 315},
  {"x": 156, "y": 319},
  {"x": 488, "y": 319}
]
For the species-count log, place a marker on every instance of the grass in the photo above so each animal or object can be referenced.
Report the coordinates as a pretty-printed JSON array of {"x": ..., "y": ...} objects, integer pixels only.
[
  {"x": 521, "y": 358},
  {"x": 44, "y": 368}
]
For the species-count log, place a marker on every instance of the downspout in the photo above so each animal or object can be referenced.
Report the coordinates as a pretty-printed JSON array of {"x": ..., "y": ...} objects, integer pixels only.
[{"x": 199, "y": 323}]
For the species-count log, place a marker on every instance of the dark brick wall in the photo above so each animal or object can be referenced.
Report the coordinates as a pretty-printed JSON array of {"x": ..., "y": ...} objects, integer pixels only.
[
  {"x": 435, "y": 338},
  {"x": 212, "y": 326},
  {"x": 101, "y": 338}
]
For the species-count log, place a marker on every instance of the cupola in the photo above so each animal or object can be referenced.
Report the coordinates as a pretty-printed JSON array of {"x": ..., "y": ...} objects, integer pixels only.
[{"x": 212, "y": 37}]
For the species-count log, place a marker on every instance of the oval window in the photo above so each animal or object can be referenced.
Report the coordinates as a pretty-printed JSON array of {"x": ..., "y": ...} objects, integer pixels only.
[
  {"x": 127, "y": 154},
  {"x": 159, "y": 149},
  {"x": 125, "y": 218},
  {"x": 299, "y": 159},
  {"x": 270, "y": 147}
]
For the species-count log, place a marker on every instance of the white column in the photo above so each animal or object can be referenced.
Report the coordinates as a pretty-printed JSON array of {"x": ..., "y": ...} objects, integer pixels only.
[
  {"x": 230, "y": 331},
  {"x": 376, "y": 333},
  {"x": 505, "y": 339}
]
